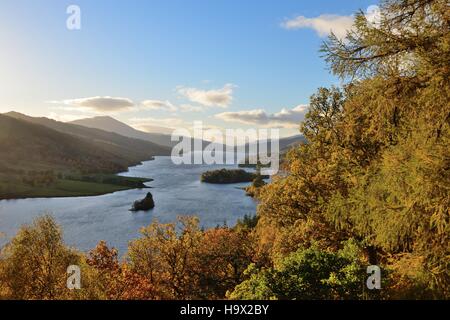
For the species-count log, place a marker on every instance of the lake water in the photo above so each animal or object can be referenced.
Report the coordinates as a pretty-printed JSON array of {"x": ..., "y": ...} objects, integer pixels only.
[{"x": 176, "y": 189}]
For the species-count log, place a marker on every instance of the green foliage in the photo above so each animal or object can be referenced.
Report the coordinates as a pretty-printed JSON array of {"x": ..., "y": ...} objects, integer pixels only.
[
  {"x": 306, "y": 274},
  {"x": 247, "y": 222},
  {"x": 376, "y": 164},
  {"x": 227, "y": 176}
]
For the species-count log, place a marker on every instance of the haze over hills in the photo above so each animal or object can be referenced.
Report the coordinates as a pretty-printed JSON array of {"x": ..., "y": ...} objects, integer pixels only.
[
  {"x": 110, "y": 124},
  {"x": 40, "y": 157},
  {"x": 33, "y": 151},
  {"x": 119, "y": 145},
  {"x": 30, "y": 146},
  {"x": 289, "y": 142}
]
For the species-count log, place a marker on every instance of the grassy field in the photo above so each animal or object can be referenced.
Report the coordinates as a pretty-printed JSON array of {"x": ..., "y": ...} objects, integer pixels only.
[{"x": 69, "y": 187}]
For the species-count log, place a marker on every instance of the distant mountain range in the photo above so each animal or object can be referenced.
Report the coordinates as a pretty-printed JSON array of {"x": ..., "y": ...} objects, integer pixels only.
[
  {"x": 44, "y": 157},
  {"x": 163, "y": 138},
  {"x": 120, "y": 145},
  {"x": 112, "y": 125},
  {"x": 119, "y": 138},
  {"x": 117, "y": 144},
  {"x": 289, "y": 142},
  {"x": 44, "y": 142}
]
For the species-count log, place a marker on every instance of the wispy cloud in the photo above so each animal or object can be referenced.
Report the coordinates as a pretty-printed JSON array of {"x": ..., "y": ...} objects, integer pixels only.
[
  {"x": 159, "y": 105},
  {"x": 286, "y": 118},
  {"x": 326, "y": 24},
  {"x": 64, "y": 117},
  {"x": 190, "y": 108},
  {"x": 323, "y": 24},
  {"x": 147, "y": 122},
  {"x": 168, "y": 106},
  {"x": 98, "y": 104},
  {"x": 215, "y": 97}
]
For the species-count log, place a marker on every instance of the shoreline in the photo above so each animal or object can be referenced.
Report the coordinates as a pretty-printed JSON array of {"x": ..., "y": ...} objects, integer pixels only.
[
  {"x": 73, "y": 196},
  {"x": 77, "y": 188}
]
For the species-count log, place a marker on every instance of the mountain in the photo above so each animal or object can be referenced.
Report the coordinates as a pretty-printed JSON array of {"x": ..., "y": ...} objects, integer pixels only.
[
  {"x": 119, "y": 145},
  {"x": 40, "y": 157},
  {"x": 292, "y": 141},
  {"x": 110, "y": 124},
  {"x": 284, "y": 144},
  {"x": 29, "y": 146}
]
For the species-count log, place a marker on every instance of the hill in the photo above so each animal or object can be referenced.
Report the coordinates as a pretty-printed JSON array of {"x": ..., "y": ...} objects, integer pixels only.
[
  {"x": 110, "y": 124},
  {"x": 120, "y": 145},
  {"x": 292, "y": 141},
  {"x": 36, "y": 160}
]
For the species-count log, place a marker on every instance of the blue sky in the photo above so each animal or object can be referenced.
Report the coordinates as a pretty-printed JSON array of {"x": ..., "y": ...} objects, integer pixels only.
[{"x": 166, "y": 63}]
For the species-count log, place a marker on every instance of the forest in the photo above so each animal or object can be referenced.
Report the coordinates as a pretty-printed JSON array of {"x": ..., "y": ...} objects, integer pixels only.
[{"x": 371, "y": 186}]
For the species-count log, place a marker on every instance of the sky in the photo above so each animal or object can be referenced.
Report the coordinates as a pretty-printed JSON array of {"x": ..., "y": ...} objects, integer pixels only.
[{"x": 167, "y": 63}]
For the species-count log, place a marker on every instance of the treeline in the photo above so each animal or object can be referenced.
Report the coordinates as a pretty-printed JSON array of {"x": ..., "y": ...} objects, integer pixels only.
[
  {"x": 39, "y": 178},
  {"x": 375, "y": 173},
  {"x": 168, "y": 261},
  {"x": 223, "y": 176},
  {"x": 113, "y": 179}
]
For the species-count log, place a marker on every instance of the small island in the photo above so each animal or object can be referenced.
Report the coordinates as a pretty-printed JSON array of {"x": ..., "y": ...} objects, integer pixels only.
[
  {"x": 224, "y": 176},
  {"x": 145, "y": 204}
]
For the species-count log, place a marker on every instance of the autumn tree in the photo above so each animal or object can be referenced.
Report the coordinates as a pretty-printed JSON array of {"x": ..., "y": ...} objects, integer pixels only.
[
  {"x": 306, "y": 274},
  {"x": 34, "y": 264},
  {"x": 165, "y": 255},
  {"x": 106, "y": 278},
  {"x": 375, "y": 167},
  {"x": 222, "y": 257}
]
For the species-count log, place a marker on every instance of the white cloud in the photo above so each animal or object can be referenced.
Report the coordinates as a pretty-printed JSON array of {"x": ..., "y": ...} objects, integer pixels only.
[
  {"x": 373, "y": 15},
  {"x": 190, "y": 108},
  {"x": 98, "y": 104},
  {"x": 327, "y": 23},
  {"x": 159, "y": 105},
  {"x": 286, "y": 118},
  {"x": 168, "y": 106},
  {"x": 216, "y": 97},
  {"x": 64, "y": 117},
  {"x": 323, "y": 24}
]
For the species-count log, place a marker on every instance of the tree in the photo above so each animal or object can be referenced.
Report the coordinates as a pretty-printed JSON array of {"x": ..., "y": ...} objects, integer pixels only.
[
  {"x": 109, "y": 279},
  {"x": 222, "y": 257},
  {"x": 306, "y": 274},
  {"x": 34, "y": 264},
  {"x": 165, "y": 256},
  {"x": 375, "y": 167}
]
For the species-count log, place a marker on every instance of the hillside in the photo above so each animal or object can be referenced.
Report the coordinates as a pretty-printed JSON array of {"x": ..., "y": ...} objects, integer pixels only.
[
  {"x": 289, "y": 142},
  {"x": 34, "y": 157},
  {"x": 135, "y": 149},
  {"x": 112, "y": 125}
]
